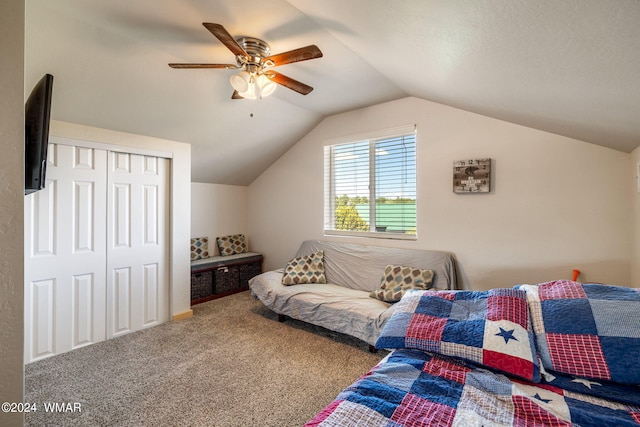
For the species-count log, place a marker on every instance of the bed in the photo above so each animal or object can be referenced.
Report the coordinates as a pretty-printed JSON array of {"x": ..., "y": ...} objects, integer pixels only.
[{"x": 555, "y": 354}]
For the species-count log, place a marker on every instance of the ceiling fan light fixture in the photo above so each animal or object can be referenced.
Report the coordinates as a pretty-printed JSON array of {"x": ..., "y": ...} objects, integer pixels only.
[
  {"x": 252, "y": 86},
  {"x": 241, "y": 81},
  {"x": 265, "y": 85},
  {"x": 250, "y": 93}
]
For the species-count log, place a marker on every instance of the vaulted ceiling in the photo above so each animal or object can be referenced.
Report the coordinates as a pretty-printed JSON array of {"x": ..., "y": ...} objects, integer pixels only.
[{"x": 570, "y": 67}]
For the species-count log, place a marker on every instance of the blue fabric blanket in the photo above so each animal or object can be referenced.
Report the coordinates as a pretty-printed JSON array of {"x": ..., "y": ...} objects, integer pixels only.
[{"x": 417, "y": 388}]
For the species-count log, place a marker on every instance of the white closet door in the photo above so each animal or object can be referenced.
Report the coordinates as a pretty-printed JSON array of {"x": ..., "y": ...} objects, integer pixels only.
[
  {"x": 137, "y": 285},
  {"x": 65, "y": 252},
  {"x": 96, "y": 249}
]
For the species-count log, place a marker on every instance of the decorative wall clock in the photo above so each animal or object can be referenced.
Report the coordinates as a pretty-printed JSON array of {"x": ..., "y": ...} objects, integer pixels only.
[{"x": 472, "y": 176}]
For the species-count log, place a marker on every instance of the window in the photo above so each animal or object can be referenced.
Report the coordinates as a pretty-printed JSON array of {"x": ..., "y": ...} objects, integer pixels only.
[{"x": 370, "y": 186}]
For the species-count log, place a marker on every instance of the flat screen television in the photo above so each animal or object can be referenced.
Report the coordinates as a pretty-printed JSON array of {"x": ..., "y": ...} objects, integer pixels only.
[{"x": 37, "y": 114}]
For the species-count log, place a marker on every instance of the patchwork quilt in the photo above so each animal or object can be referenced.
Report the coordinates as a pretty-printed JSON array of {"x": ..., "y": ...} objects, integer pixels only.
[
  {"x": 491, "y": 328},
  {"x": 554, "y": 354},
  {"x": 417, "y": 388},
  {"x": 587, "y": 329}
]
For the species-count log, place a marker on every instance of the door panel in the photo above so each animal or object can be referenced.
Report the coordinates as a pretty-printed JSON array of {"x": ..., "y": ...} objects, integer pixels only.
[
  {"x": 65, "y": 250},
  {"x": 83, "y": 221},
  {"x": 137, "y": 230},
  {"x": 83, "y": 309},
  {"x": 121, "y": 288},
  {"x": 152, "y": 295},
  {"x": 42, "y": 307},
  {"x": 42, "y": 227}
]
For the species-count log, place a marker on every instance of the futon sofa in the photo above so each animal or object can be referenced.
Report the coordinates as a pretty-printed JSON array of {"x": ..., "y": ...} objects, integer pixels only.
[{"x": 342, "y": 299}]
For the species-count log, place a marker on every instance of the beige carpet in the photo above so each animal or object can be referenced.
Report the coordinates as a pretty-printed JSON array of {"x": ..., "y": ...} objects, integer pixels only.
[{"x": 231, "y": 364}]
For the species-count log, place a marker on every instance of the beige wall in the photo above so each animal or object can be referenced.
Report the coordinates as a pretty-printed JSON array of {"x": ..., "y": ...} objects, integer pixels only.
[
  {"x": 219, "y": 210},
  {"x": 556, "y": 203},
  {"x": 635, "y": 215},
  {"x": 180, "y": 303},
  {"x": 11, "y": 206}
]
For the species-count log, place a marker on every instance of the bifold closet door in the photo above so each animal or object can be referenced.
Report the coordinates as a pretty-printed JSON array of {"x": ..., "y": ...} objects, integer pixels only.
[
  {"x": 65, "y": 253},
  {"x": 137, "y": 230},
  {"x": 96, "y": 249}
]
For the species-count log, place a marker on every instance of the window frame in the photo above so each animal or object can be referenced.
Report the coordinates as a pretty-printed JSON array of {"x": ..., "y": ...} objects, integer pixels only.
[{"x": 329, "y": 183}]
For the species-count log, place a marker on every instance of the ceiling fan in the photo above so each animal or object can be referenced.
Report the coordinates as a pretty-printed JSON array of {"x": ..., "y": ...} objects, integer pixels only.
[{"x": 253, "y": 57}]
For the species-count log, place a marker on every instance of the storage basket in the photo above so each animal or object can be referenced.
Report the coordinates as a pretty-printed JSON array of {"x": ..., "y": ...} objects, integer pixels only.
[
  {"x": 201, "y": 285},
  {"x": 247, "y": 271},
  {"x": 226, "y": 279}
]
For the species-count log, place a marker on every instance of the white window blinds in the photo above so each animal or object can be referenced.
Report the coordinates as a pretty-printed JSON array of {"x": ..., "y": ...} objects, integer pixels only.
[{"x": 370, "y": 187}]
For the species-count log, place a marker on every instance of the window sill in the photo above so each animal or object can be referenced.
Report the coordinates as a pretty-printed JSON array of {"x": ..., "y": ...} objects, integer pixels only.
[{"x": 373, "y": 235}]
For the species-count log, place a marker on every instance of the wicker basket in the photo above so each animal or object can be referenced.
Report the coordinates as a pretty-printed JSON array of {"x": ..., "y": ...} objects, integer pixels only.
[
  {"x": 247, "y": 271},
  {"x": 226, "y": 279},
  {"x": 201, "y": 285}
]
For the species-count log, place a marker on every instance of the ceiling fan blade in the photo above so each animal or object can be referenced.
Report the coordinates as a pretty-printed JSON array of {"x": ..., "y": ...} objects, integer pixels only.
[
  {"x": 292, "y": 84},
  {"x": 296, "y": 55},
  {"x": 226, "y": 38},
  {"x": 236, "y": 95},
  {"x": 226, "y": 66}
]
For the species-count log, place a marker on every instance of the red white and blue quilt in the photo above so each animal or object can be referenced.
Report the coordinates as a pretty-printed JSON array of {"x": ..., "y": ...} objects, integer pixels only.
[
  {"x": 555, "y": 354},
  {"x": 587, "y": 329},
  {"x": 416, "y": 388}
]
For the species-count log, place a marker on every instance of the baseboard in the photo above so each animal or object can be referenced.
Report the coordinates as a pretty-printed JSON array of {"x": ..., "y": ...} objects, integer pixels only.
[{"x": 184, "y": 315}]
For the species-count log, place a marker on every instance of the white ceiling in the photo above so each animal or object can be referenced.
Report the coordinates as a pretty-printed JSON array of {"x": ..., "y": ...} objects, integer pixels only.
[{"x": 570, "y": 67}]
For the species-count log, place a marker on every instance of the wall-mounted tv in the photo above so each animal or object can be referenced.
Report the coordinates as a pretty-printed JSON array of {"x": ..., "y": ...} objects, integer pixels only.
[{"x": 37, "y": 113}]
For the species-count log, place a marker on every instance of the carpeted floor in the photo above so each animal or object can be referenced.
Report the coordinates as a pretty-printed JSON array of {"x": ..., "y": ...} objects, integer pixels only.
[{"x": 231, "y": 364}]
